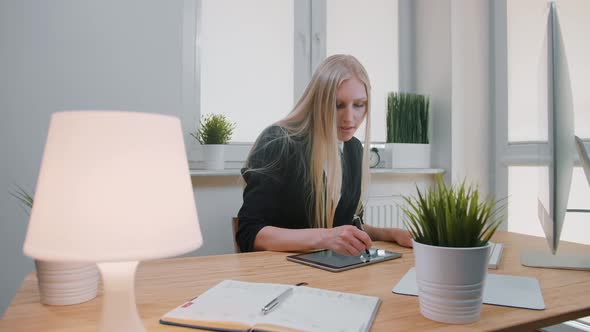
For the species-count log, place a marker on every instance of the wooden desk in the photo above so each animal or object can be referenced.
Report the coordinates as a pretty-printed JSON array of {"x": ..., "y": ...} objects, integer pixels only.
[{"x": 164, "y": 284}]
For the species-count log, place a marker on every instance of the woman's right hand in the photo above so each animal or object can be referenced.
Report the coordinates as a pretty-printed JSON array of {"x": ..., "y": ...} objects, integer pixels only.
[{"x": 346, "y": 240}]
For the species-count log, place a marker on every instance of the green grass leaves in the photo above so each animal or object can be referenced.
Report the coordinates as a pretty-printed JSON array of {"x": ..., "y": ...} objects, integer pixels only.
[
  {"x": 452, "y": 216},
  {"x": 214, "y": 129},
  {"x": 407, "y": 118},
  {"x": 24, "y": 198}
]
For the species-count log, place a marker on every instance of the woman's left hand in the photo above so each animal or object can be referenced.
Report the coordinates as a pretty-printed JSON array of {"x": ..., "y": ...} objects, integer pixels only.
[
  {"x": 402, "y": 237},
  {"x": 397, "y": 235}
]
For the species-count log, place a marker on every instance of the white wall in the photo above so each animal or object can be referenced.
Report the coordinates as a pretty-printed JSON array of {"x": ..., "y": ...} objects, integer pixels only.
[
  {"x": 471, "y": 92},
  {"x": 433, "y": 74},
  {"x": 452, "y": 65},
  {"x": 219, "y": 199}
]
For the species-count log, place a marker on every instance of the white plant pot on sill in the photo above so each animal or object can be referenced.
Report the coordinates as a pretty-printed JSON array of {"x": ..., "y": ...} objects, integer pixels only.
[
  {"x": 407, "y": 155},
  {"x": 213, "y": 156},
  {"x": 450, "y": 282},
  {"x": 62, "y": 283}
]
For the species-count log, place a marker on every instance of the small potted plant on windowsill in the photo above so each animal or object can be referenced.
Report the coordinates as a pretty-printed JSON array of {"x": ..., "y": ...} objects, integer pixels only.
[
  {"x": 61, "y": 283},
  {"x": 214, "y": 132},
  {"x": 451, "y": 228},
  {"x": 407, "y": 121}
]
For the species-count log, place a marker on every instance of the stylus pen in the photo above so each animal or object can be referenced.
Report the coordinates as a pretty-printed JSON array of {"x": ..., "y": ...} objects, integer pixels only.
[{"x": 359, "y": 224}]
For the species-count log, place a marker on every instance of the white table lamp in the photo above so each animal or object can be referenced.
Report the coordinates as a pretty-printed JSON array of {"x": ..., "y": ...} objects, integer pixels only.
[{"x": 114, "y": 188}]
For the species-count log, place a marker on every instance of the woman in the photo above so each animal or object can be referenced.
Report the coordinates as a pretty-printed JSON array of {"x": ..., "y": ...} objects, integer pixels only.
[{"x": 307, "y": 175}]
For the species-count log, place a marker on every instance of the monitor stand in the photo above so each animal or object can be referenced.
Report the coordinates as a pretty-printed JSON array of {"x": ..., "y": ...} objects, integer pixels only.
[
  {"x": 545, "y": 259},
  {"x": 569, "y": 261}
]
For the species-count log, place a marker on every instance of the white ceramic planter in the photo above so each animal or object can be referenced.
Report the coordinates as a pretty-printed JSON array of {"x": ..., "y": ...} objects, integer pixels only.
[
  {"x": 213, "y": 156},
  {"x": 66, "y": 283},
  {"x": 404, "y": 155},
  {"x": 450, "y": 282}
]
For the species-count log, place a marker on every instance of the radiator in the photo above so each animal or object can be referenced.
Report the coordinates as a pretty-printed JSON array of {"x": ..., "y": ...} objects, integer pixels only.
[{"x": 384, "y": 211}]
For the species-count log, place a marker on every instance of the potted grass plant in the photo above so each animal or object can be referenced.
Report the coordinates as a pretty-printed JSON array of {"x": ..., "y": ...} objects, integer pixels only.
[
  {"x": 214, "y": 132},
  {"x": 451, "y": 227},
  {"x": 61, "y": 283},
  {"x": 407, "y": 122}
]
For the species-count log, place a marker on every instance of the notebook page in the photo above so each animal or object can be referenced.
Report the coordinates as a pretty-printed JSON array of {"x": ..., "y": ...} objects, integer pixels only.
[
  {"x": 312, "y": 309},
  {"x": 229, "y": 301}
]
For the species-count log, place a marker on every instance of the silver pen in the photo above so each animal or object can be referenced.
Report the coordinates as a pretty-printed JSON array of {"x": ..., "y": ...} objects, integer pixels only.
[{"x": 277, "y": 300}]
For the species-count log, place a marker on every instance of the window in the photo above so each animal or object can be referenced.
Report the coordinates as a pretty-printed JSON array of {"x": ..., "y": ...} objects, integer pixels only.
[
  {"x": 256, "y": 58},
  {"x": 368, "y": 30},
  {"x": 575, "y": 27},
  {"x": 246, "y": 62},
  {"x": 527, "y": 96}
]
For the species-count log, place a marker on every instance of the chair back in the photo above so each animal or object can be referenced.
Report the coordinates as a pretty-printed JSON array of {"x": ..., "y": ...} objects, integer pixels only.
[{"x": 234, "y": 228}]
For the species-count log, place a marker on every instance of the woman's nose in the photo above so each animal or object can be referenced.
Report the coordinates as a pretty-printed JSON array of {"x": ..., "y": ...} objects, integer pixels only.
[{"x": 348, "y": 114}]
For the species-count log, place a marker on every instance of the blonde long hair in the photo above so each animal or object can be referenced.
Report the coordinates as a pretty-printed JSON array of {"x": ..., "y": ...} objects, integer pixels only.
[{"x": 314, "y": 120}]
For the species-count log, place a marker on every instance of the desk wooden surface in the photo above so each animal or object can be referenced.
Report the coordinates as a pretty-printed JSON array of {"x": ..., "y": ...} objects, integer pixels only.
[{"x": 164, "y": 284}]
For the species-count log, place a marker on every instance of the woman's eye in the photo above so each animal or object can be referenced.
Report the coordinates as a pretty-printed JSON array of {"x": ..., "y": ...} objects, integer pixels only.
[{"x": 355, "y": 105}]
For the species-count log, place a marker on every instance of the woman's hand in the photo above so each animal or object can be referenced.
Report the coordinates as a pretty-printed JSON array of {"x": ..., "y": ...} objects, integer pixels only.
[
  {"x": 397, "y": 235},
  {"x": 402, "y": 237},
  {"x": 347, "y": 240}
]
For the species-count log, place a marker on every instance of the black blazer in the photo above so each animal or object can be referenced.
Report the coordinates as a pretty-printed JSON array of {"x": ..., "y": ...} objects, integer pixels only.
[{"x": 280, "y": 195}]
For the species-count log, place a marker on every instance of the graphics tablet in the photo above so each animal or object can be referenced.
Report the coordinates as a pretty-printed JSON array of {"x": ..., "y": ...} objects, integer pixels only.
[{"x": 332, "y": 261}]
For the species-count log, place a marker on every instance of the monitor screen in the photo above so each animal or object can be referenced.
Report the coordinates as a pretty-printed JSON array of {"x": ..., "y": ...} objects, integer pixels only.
[{"x": 555, "y": 184}]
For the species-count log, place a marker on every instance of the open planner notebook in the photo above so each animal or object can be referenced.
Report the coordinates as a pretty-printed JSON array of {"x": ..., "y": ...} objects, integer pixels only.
[{"x": 236, "y": 306}]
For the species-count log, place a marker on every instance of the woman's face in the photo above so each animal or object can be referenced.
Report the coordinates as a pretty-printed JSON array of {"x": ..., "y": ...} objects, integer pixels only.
[{"x": 351, "y": 106}]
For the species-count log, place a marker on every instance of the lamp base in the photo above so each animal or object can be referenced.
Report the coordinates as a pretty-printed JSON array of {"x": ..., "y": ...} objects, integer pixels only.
[{"x": 119, "y": 311}]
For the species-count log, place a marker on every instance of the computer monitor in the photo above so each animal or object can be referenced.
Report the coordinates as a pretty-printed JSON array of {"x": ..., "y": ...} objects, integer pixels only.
[{"x": 554, "y": 186}]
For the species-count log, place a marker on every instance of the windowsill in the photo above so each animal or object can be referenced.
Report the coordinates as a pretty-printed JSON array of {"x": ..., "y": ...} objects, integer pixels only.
[{"x": 236, "y": 171}]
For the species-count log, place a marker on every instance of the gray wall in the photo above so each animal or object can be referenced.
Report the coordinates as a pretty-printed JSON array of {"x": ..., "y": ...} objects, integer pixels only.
[{"x": 60, "y": 55}]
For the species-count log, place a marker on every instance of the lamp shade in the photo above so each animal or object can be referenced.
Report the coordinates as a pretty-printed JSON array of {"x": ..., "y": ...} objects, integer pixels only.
[{"x": 113, "y": 186}]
